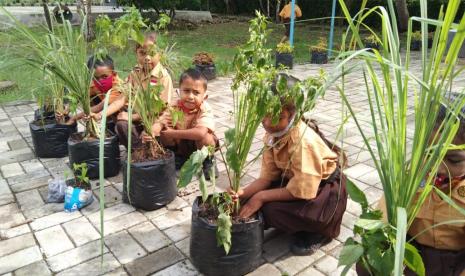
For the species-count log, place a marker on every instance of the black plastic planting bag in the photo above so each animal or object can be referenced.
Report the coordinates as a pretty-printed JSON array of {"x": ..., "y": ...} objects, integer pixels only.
[
  {"x": 88, "y": 152},
  {"x": 50, "y": 140},
  {"x": 42, "y": 114},
  {"x": 152, "y": 184},
  {"x": 284, "y": 59},
  {"x": 210, "y": 259}
]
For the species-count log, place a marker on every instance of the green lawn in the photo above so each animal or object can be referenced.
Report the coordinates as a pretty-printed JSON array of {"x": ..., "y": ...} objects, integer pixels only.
[{"x": 221, "y": 40}]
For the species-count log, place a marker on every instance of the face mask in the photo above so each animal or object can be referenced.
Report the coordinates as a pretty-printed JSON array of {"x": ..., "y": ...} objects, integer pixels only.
[
  {"x": 103, "y": 85},
  {"x": 282, "y": 132}
]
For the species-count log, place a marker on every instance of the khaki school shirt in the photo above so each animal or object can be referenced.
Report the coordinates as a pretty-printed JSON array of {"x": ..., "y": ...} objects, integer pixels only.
[
  {"x": 300, "y": 156},
  {"x": 199, "y": 117},
  {"x": 159, "y": 75},
  {"x": 434, "y": 211},
  {"x": 115, "y": 91},
  {"x": 286, "y": 11}
]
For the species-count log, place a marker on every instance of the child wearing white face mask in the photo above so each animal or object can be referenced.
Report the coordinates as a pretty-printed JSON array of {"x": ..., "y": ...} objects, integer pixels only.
[{"x": 301, "y": 189}]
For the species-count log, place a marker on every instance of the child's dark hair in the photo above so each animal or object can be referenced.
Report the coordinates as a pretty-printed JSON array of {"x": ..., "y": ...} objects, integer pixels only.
[
  {"x": 194, "y": 74},
  {"x": 150, "y": 36},
  {"x": 94, "y": 62},
  {"x": 289, "y": 105}
]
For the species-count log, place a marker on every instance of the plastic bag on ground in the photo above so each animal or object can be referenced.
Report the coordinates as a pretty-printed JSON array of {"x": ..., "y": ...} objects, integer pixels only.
[
  {"x": 77, "y": 198},
  {"x": 56, "y": 190}
]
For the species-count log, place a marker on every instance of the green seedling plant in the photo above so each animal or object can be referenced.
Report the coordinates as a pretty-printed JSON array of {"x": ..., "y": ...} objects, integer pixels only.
[
  {"x": 253, "y": 99},
  {"x": 321, "y": 47},
  {"x": 284, "y": 48},
  {"x": 406, "y": 172},
  {"x": 81, "y": 180}
]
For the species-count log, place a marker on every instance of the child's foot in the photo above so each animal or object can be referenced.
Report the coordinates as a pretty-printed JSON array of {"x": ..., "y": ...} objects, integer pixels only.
[
  {"x": 207, "y": 167},
  {"x": 306, "y": 243}
]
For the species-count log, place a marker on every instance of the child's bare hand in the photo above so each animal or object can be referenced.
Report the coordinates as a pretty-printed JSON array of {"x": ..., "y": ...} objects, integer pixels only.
[
  {"x": 146, "y": 138},
  {"x": 235, "y": 195},
  {"x": 122, "y": 116},
  {"x": 252, "y": 206},
  {"x": 156, "y": 129},
  {"x": 96, "y": 116}
]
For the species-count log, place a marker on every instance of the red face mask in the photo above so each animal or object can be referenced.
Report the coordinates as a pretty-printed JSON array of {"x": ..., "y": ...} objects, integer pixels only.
[
  {"x": 443, "y": 181},
  {"x": 103, "y": 85}
]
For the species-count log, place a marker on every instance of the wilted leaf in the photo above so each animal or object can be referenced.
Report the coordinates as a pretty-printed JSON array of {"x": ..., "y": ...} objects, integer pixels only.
[{"x": 223, "y": 231}]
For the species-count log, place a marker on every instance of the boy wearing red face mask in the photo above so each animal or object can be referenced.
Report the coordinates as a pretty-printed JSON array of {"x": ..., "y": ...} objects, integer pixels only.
[{"x": 105, "y": 81}]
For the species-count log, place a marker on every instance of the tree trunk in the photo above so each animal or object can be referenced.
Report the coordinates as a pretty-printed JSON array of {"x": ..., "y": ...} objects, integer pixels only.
[
  {"x": 402, "y": 14},
  {"x": 268, "y": 8},
  {"x": 226, "y": 2},
  {"x": 278, "y": 7},
  {"x": 48, "y": 19},
  {"x": 90, "y": 30}
]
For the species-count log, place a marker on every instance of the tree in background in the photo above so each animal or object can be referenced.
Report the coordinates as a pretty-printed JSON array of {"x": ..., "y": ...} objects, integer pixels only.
[
  {"x": 402, "y": 14},
  {"x": 160, "y": 6}
]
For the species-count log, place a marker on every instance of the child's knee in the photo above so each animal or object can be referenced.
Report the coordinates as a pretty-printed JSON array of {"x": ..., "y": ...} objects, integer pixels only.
[
  {"x": 167, "y": 142},
  {"x": 207, "y": 140}
]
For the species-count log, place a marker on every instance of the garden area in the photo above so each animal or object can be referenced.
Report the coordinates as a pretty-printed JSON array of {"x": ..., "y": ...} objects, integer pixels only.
[{"x": 135, "y": 145}]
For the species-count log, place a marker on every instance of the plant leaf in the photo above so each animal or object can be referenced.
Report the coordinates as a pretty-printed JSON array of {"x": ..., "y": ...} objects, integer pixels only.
[
  {"x": 400, "y": 241},
  {"x": 369, "y": 224},
  {"x": 223, "y": 231},
  {"x": 357, "y": 195},
  {"x": 192, "y": 167},
  {"x": 350, "y": 254},
  {"x": 413, "y": 260}
]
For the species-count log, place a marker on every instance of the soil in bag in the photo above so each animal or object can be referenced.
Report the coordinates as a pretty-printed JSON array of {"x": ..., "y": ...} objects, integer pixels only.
[
  {"x": 44, "y": 114},
  {"x": 210, "y": 259},
  {"x": 50, "y": 139},
  {"x": 152, "y": 183},
  {"x": 88, "y": 151}
]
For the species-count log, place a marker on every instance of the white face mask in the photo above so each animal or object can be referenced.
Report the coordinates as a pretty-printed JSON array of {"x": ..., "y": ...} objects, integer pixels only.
[{"x": 282, "y": 132}]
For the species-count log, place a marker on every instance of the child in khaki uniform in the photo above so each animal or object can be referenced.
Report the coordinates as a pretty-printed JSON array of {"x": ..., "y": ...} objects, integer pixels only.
[
  {"x": 148, "y": 72},
  {"x": 105, "y": 81},
  {"x": 285, "y": 16},
  {"x": 300, "y": 189},
  {"x": 442, "y": 247},
  {"x": 197, "y": 127}
]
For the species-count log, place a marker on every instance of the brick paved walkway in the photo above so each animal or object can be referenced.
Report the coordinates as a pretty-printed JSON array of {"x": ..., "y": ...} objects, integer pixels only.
[{"x": 41, "y": 239}]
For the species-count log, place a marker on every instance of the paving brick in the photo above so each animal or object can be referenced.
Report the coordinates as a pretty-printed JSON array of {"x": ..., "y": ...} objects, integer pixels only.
[
  {"x": 276, "y": 247},
  {"x": 184, "y": 246},
  {"x": 373, "y": 195},
  {"x": 149, "y": 236},
  {"x": 177, "y": 204},
  {"x": 124, "y": 247},
  {"x": 14, "y": 232},
  {"x": 111, "y": 212},
  {"x": 16, "y": 156},
  {"x": 37, "y": 268},
  {"x": 44, "y": 210},
  {"x": 179, "y": 232},
  {"x": 6, "y": 196},
  {"x": 154, "y": 262},
  {"x": 112, "y": 196},
  {"x": 53, "y": 240},
  {"x": 54, "y": 219},
  {"x": 4, "y": 146},
  {"x": 294, "y": 264},
  {"x": 10, "y": 216},
  {"x": 75, "y": 256},
  {"x": 172, "y": 218},
  {"x": 11, "y": 170},
  {"x": 118, "y": 272},
  {"x": 29, "y": 199},
  {"x": 30, "y": 183},
  {"x": 358, "y": 170},
  {"x": 15, "y": 244},
  {"x": 327, "y": 265},
  {"x": 122, "y": 222},
  {"x": 311, "y": 272},
  {"x": 17, "y": 144},
  {"x": 266, "y": 269},
  {"x": 184, "y": 268},
  {"x": 20, "y": 259},
  {"x": 32, "y": 165},
  {"x": 81, "y": 231},
  {"x": 93, "y": 267},
  {"x": 29, "y": 177}
]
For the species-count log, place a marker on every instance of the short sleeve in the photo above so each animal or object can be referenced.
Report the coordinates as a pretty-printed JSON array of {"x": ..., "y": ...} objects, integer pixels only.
[
  {"x": 269, "y": 171},
  {"x": 298, "y": 11},
  {"x": 167, "y": 92},
  {"x": 206, "y": 118}
]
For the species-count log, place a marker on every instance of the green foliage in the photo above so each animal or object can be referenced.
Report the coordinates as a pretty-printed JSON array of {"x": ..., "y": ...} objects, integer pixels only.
[
  {"x": 321, "y": 47},
  {"x": 401, "y": 169},
  {"x": 80, "y": 176},
  {"x": 163, "y": 22},
  {"x": 284, "y": 48},
  {"x": 223, "y": 231},
  {"x": 416, "y": 36}
]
